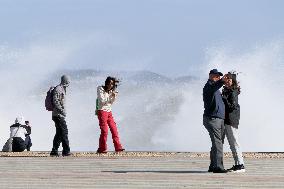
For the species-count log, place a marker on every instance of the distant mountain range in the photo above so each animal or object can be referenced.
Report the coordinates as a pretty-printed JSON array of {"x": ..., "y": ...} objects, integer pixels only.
[
  {"x": 89, "y": 77},
  {"x": 133, "y": 76}
]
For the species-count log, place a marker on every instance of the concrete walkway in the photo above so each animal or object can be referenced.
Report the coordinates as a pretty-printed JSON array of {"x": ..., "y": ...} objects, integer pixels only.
[{"x": 135, "y": 170}]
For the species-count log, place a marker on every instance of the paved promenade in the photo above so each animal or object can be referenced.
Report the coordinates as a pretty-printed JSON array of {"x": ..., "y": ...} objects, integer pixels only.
[{"x": 136, "y": 170}]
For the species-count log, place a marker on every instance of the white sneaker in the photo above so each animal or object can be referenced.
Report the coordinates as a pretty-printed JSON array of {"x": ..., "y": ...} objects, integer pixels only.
[{"x": 239, "y": 168}]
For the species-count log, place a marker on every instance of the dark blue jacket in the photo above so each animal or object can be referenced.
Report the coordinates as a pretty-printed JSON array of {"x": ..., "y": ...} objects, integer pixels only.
[{"x": 212, "y": 98}]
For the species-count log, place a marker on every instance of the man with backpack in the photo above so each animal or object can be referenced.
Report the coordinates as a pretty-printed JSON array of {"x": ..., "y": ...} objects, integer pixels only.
[{"x": 58, "y": 95}]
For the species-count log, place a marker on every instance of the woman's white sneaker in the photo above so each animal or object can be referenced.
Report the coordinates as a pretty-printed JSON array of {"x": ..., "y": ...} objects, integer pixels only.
[{"x": 239, "y": 168}]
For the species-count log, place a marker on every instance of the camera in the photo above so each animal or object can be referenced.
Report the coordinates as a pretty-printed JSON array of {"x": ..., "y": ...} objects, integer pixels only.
[{"x": 116, "y": 83}]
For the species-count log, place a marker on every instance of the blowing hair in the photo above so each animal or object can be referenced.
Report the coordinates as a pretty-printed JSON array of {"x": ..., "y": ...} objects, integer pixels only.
[
  {"x": 109, "y": 79},
  {"x": 236, "y": 84}
]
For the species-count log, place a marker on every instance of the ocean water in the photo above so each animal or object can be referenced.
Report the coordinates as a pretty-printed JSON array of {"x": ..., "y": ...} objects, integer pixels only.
[{"x": 153, "y": 112}]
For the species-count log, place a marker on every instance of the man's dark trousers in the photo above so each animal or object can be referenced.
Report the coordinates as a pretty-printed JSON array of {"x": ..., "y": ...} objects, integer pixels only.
[
  {"x": 215, "y": 128},
  {"x": 61, "y": 135},
  {"x": 28, "y": 142}
]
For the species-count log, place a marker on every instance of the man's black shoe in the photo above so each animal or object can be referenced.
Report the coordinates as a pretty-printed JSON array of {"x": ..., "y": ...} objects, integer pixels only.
[
  {"x": 66, "y": 154},
  {"x": 54, "y": 154},
  {"x": 220, "y": 171},
  {"x": 210, "y": 170}
]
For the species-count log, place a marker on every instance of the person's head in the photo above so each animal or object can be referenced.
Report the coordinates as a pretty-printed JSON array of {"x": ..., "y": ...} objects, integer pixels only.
[
  {"x": 27, "y": 122},
  {"x": 20, "y": 120},
  {"x": 215, "y": 75},
  {"x": 65, "y": 81},
  {"x": 110, "y": 83},
  {"x": 232, "y": 82}
]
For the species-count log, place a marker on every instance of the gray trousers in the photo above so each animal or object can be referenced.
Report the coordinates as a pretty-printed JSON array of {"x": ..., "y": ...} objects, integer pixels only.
[
  {"x": 232, "y": 136},
  {"x": 216, "y": 130}
]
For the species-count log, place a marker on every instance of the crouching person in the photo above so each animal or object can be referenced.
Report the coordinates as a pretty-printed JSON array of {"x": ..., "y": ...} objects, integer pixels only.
[
  {"x": 106, "y": 95},
  {"x": 18, "y": 135}
]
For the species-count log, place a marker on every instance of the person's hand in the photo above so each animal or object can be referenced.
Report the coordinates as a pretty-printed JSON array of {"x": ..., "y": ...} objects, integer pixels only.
[
  {"x": 114, "y": 94},
  {"x": 63, "y": 114}
]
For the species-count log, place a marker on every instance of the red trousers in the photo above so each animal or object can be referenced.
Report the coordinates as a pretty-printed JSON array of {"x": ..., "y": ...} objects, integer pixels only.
[{"x": 106, "y": 120}]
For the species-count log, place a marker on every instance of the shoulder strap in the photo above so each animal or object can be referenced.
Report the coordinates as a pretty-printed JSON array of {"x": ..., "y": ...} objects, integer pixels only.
[{"x": 16, "y": 132}]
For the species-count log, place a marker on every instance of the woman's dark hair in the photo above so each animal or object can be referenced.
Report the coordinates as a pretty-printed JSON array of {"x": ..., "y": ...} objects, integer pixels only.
[
  {"x": 109, "y": 79},
  {"x": 235, "y": 85}
]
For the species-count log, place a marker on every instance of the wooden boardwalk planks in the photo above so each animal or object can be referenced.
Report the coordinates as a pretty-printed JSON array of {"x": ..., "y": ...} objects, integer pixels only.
[{"x": 174, "y": 170}]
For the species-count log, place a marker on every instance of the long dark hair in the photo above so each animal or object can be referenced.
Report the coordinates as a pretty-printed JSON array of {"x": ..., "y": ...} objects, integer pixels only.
[
  {"x": 236, "y": 84},
  {"x": 115, "y": 82}
]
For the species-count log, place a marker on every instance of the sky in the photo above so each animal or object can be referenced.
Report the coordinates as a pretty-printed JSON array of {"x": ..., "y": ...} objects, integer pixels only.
[{"x": 169, "y": 37}]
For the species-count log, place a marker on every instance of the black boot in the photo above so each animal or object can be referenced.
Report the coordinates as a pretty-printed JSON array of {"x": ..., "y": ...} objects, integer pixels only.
[{"x": 54, "y": 153}]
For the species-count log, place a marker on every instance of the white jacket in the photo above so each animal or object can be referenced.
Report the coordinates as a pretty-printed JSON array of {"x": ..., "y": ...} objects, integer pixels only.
[
  {"x": 18, "y": 131},
  {"x": 105, "y": 100}
]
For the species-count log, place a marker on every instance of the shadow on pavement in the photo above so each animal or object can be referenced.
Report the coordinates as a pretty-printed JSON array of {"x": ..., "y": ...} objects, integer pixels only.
[{"x": 155, "y": 172}]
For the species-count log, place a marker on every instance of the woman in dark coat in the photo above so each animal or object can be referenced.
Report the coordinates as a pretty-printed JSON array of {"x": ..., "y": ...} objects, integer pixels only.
[{"x": 230, "y": 94}]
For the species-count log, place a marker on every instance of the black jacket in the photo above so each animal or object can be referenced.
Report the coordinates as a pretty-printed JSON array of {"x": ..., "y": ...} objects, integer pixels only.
[
  {"x": 232, "y": 107},
  {"x": 213, "y": 103},
  {"x": 28, "y": 128}
]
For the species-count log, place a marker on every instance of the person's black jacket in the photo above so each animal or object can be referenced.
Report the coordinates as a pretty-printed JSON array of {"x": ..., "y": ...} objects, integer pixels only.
[
  {"x": 28, "y": 128},
  {"x": 212, "y": 98},
  {"x": 232, "y": 107}
]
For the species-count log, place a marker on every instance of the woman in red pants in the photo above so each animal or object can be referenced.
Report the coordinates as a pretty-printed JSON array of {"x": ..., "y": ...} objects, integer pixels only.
[{"x": 106, "y": 95}]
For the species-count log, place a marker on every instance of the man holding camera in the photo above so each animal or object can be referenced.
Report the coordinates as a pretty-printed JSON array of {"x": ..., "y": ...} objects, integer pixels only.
[{"x": 106, "y": 95}]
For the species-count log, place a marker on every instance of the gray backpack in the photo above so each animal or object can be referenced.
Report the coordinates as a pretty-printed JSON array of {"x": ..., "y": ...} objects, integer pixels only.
[{"x": 9, "y": 143}]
